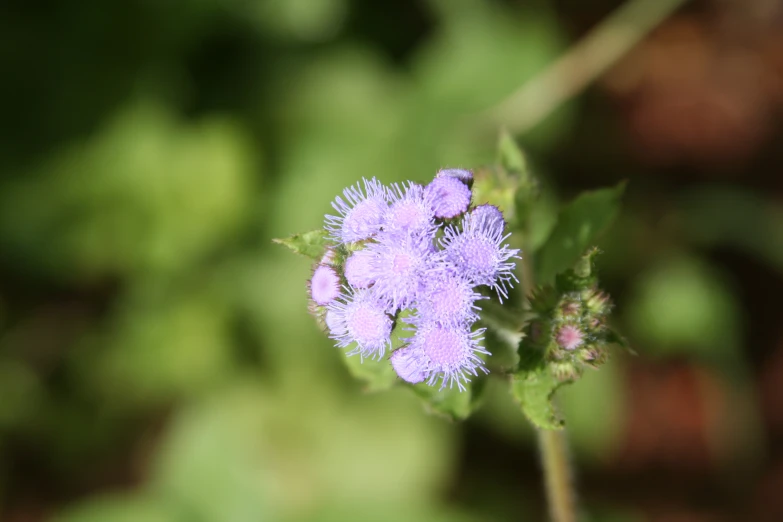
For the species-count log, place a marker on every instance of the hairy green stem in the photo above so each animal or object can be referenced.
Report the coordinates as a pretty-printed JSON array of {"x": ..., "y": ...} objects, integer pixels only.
[{"x": 557, "y": 474}]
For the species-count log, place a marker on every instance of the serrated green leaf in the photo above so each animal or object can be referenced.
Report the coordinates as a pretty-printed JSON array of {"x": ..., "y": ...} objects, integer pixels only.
[
  {"x": 451, "y": 403},
  {"x": 579, "y": 225},
  {"x": 310, "y": 244},
  {"x": 534, "y": 390}
]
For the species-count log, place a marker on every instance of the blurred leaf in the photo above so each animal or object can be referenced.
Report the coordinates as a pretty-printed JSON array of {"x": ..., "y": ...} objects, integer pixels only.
[
  {"x": 310, "y": 244},
  {"x": 304, "y": 20},
  {"x": 21, "y": 393},
  {"x": 451, "y": 403},
  {"x": 378, "y": 375},
  {"x": 117, "y": 508},
  {"x": 159, "y": 346},
  {"x": 685, "y": 306},
  {"x": 746, "y": 220},
  {"x": 503, "y": 334},
  {"x": 579, "y": 224},
  {"x": 595, "y": 439},
  {"x": 147, "y": 192},
  {"x": 503, "y": 345},
  {"x": 510, "y": 156},
  {"x": 534, "y": 390},
  {"x": 210, "y": 464}
]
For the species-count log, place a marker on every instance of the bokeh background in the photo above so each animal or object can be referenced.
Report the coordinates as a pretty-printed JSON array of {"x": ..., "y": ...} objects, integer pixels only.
[{"x": 157, "y": 362}]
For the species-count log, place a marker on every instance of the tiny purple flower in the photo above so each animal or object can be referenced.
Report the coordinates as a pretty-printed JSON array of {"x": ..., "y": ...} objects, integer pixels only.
[
  {"x": 324, "y": 285},
  {"x": 357, "y": 269},
  {"x": 463, "y": 175},
  {"x": 410, "y": 210},
  {"x": 488, "y": 212},
  {"x": 360, "y": 318},
  {"x": 477, "y": 250},
  {"x": 448, "y": 298},
  {"x": 450, "y": 196},
  {"x": 361, "y": 213},
  {"x": 401, "y": 264},
  {"x": 451, "y": 353},
  {"x": 569, "y": 337},
  {"x": 410, "y": 365}
]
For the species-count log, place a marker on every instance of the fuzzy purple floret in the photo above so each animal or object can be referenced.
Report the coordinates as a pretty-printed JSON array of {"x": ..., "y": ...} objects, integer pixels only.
[
  {"x": 361, "y": 213},
  {"x": 358, "y": 269},
  {"x": 463, "y": 175},
  {"x": 450, "y": 197},
  {"x": 477, "y": 249},
  {"x": 324, "y": 285},
  {"x": 400, "y": 265},
  {"x": 488, "y": 212},
  {"x": 450, "y": 354},
  {"x": 360, "y": 317},
  {"x": 448, "y": 298},
  {"x": 410, "y": 210},
  {"x": 410, "y": 365}
]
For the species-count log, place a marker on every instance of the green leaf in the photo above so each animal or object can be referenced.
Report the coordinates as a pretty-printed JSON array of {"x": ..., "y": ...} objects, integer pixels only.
[
  {"x": 534, "y": 390},
  {"x": 310, "y": 244},
  {"x": 579, "y": 224},
  {"x": 451, "y": 403},
  {"x": 510, "y": 156},
  {"x": 502, "y": 336},
  {"x": 376, "y": 375}
]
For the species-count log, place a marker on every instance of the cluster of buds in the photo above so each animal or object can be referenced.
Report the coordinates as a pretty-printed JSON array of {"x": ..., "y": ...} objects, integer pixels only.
[{"x": 570, "y": 325}]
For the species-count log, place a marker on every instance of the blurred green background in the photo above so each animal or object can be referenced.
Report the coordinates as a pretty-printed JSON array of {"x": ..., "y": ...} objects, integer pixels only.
[{"x": 157, "y": 361}]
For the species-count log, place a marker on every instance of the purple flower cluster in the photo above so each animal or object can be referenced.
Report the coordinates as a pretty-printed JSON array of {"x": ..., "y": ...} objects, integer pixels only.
[{"x": 418, "y": 249}]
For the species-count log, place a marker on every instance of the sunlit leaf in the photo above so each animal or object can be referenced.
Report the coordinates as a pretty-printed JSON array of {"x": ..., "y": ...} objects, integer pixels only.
[
  {"x": 534, "y": 390},
  {"x": 311, "y": 244},
  {"x": 579, "y": 224}
]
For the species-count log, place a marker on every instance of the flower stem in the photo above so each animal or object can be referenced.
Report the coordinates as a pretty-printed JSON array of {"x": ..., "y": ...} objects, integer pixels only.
[{"x": 557, "y": 475}]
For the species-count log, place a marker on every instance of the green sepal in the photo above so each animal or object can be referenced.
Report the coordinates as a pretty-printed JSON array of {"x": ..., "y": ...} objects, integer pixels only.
[
  {"x": 451, "y": 403},
  {"x": 310, "y": 244},
  {"x": 579, "y": 224}
]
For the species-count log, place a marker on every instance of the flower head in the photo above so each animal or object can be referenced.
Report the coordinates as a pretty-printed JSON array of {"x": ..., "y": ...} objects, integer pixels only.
[
  {"x": 361, "y": 213},
  {"x": 324, "y": 285},
  {"x": 410, "y": 210},
  {"x": 477, "y": 250},
  {"x": 463, "y": 175},
  {"x": 451, "y": 353},
  {"x": 448, "y": 298},
  {"x": 358, "y": 269},
  {"x": 569, "y": 337},
  {"x": 410, "y": 365},
  {"x": 450, "y": 196},
  {"x": 400, "y": 266},
  {"x": 360, "y": 318},
  {"x": 488, "y": 212}
]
